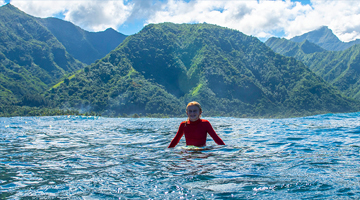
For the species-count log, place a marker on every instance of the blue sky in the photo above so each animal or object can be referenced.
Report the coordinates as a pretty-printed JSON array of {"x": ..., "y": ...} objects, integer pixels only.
[{"x": 259, "y": 18}]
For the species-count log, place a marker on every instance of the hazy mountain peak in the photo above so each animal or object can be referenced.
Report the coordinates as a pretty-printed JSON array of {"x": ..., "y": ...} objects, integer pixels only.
[
  {"x": 110, "y": 30},
  {"x": 10, "y": 6},
  {"x": 309, "y": 47},
  {"x": 320, "y": 36},
  {"x": 325, "y": 38},
  {"x": 83, "y": 45}
]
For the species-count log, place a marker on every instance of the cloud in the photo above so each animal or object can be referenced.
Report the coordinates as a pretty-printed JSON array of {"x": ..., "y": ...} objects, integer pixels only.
[
  {"x": 264, "y": 18},
  {"x": 143, "y": 9},
  {"x": 260, "y": 18},
  {"x": 44, "y": 8},
  {"x": 252, "y": 17},
  {"x": 2, "y": 3},
  {"x": 343, "y": 17},
  {"x": 94, "y": 15},
  {"x": 99, "y": 15}
]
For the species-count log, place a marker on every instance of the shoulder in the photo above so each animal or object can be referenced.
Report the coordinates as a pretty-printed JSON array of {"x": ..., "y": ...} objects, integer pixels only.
[
  {"x": 183, "y": 123},
  {"x": 205, "y": 121}
]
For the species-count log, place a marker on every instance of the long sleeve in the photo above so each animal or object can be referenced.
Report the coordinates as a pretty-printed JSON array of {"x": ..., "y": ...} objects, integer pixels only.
[
  {"x": 213, "y": 134},
  {"x": 177, "y": 137}
]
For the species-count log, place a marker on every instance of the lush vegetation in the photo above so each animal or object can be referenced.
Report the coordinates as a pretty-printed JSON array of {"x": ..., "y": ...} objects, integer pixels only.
[
  {"x": 85, "y": 46},
  {"x": 160, "y": 69},
  {"x": 154, "y": 73},
  {"x": 11, "y": 111},
  {"x": 339, "y": 68},
  {"x": 31, "y": 58},
  {"x": 293, "y": 49},
  {"x": 34, "y": 56}
]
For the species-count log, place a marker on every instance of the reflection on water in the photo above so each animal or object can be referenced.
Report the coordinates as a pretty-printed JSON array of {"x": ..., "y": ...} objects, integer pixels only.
[{"x": 103, "y": 158}]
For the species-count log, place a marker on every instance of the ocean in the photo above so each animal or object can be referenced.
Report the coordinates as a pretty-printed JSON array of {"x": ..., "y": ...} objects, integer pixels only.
[{"x": 78, "y": 157}]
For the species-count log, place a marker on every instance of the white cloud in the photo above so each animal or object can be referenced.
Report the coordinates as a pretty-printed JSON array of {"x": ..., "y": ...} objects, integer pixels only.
[
  {"x": 263, "y": 18},
  {"x": 44, "y": 8},
  {"x": 260, "y": 18},
  {"x": 95, "y": 15},
  {"x": 252, "y": 17},
  {"x": 99, "y": 15},
  {"x": 2, "y": 2},
  {"x": 343, "y": 17}
]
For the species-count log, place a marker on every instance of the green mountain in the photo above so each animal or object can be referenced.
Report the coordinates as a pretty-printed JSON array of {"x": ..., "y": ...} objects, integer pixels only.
[
  {"x": 340, "y": 68},
  {"x": 325, "y": 38},
  {"x": 85, "y": 46},
  {"x": 293, "y": 49},
  {"x": 164, "y": 66},
  {"x": 31, "y": 58}
]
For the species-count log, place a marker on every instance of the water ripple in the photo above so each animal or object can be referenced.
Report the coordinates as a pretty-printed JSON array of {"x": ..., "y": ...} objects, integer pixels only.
[{"x": 104, "y": 158}]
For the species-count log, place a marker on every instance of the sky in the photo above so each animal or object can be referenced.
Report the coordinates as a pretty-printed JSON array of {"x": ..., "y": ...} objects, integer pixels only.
[{"x": 259, "y": 18}]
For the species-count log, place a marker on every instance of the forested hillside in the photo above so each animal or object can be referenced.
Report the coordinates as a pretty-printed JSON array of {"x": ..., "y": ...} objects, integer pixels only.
[
  {"x": 340, "y": 68},
  {"x": 156, "y": 72},
  {"x": 85, "y": 46},
  {"x": 160, "y": 69},
  {"x": 36, "y": 53},
  {"x": 31, "y": 58},
  {"x": 293, "y": 49}
]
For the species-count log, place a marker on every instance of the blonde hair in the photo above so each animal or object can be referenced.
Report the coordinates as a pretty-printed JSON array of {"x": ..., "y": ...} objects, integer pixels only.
[{"x": 194, "y": 103}]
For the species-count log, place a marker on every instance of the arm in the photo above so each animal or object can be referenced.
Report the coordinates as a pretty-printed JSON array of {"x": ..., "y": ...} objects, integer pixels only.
[
  {"x": 213, "y": 134},
  {"x": 177, "y": 137}
]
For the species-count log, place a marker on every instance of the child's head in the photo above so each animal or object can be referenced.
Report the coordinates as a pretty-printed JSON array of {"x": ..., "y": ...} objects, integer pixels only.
[{"x": 193, "y": 110}]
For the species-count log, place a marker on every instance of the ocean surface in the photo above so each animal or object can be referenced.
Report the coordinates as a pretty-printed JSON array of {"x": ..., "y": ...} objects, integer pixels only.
[{"x": 75, "y": 157}]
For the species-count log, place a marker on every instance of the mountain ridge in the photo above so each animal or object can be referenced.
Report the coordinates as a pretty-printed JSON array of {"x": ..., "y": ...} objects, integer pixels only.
[
  {"x": 229, "y": 73},
  {"x": 84, "y": 45},
  {"x": 339, "y": 68},
  {"x": 157, "y": 71},
  {"x": 325, "y": 38},
  {"x": 31, "y": 57},
  {"x": 293, "y": 49}
]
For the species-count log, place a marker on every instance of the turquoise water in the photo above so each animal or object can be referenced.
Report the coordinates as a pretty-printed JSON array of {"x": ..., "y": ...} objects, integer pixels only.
[{"x": 76, "y": 157}]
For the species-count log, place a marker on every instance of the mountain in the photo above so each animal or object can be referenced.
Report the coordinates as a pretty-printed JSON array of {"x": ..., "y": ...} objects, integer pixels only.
[
  {"x": 31, "y": 58},
  {"x": 164, "y": 66},
  {"x": 85, "y": 46},
  {"x": 340, "y": 68},
  {"x": 325, "y": 38},
  {"x": 293, "y": 49}
]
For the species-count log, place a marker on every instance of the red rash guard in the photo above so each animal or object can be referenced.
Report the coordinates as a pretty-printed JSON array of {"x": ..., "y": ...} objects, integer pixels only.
[{"x": 195, "y": 133}]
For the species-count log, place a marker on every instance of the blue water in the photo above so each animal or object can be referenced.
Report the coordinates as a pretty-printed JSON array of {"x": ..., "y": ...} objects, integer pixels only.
[{"x": 77, "y": 157}]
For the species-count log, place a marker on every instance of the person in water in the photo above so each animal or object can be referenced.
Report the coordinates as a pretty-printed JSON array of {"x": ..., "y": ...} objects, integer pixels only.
[{"x": 195, "y": 129}]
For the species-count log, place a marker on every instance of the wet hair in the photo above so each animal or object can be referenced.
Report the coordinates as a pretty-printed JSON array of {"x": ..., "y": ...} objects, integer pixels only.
[{"x": 194, "y": 103}]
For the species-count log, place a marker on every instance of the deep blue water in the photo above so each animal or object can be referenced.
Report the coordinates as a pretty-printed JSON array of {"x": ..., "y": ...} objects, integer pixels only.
[{"x": 75, "y": 157}]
